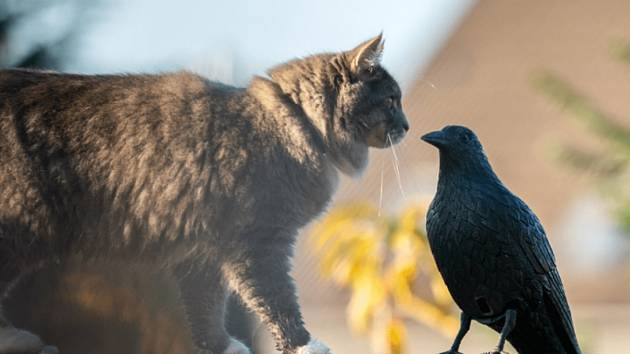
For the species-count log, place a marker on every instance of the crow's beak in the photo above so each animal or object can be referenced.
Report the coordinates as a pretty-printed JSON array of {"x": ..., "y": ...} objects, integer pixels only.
[{"x": 436, "y": 138}]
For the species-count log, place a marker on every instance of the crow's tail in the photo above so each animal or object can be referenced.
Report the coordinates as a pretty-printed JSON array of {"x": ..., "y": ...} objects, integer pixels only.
[{"x": 560, "y": 314}]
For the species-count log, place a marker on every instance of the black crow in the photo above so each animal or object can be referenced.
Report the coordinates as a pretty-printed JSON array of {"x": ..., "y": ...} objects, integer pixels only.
[{"x": 493, "y": 253}]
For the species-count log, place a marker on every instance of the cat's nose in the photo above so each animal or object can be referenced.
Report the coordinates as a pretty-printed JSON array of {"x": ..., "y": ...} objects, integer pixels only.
[{"x": 405, "y": 126}]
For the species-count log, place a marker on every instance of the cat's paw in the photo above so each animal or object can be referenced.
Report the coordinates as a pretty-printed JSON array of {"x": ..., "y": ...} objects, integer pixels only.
[
  {"x": 13, "y": 340},
  {"x": 236, "y": 347},
  {"x": 313, "y": 347}
]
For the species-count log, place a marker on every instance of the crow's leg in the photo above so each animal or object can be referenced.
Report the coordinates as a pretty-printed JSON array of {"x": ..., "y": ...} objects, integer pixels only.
[
  {"x": 464, "y": 326},
  {"x": 508, "y": 326}
]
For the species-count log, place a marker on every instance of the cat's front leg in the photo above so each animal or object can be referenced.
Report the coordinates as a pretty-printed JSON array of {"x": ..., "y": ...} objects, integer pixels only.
[
  {"x": 260, "y": 276},
  {"x": 204, "y": 298}
]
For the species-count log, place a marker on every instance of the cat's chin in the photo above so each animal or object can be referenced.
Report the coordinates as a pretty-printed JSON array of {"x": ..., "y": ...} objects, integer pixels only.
[{"x": 352, "y": 160}]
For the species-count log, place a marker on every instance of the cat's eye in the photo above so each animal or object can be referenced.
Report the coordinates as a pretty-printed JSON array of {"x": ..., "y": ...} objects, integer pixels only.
[
  {"x": 390, "y": 101},
  {"x": 337, "y": 80}
]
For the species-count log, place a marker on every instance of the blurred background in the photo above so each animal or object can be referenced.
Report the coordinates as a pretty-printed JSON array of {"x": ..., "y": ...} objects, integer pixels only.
[{"x": 544, "y": 83}]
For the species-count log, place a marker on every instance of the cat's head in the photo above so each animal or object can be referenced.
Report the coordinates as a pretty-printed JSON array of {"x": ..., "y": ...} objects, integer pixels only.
[{"x": 350, "y": 97}]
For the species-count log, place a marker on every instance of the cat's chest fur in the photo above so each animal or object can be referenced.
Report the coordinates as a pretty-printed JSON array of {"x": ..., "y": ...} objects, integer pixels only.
[
  {"x": 284, "y": 191},
  {"x": 292, "y": 178}
]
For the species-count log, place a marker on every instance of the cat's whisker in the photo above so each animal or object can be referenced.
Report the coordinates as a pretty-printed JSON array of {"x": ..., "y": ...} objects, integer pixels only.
[
  {"x": 380, "y": 198},
  {"x": 395, "y": 162}
]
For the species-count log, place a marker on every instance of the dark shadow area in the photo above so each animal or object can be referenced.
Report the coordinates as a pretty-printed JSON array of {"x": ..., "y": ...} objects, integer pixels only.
[{"x": 108, "y": 309}]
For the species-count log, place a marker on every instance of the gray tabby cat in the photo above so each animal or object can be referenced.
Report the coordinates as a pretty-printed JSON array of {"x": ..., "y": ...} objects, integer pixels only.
[{"x": 209, "y": 181}]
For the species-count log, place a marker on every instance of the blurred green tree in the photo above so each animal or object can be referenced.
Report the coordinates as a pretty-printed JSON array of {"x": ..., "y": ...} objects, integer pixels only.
[{"x": 609, "y": 165}]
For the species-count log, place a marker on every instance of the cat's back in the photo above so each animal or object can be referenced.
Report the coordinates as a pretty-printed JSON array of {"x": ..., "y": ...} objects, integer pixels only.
[
  {"x": 94, "y": 158},
  {"x": 25, "y": 87},
  {"x": 85, "y": 108},
  {"x": 64, "y": 136}
]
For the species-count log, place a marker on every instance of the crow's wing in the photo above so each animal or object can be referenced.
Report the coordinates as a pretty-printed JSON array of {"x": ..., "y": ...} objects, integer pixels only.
[{"x": 533, "y": 241}]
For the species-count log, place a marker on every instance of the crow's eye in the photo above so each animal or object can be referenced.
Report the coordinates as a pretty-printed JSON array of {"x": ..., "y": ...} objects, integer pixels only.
[{"x": 465, "y": 137}]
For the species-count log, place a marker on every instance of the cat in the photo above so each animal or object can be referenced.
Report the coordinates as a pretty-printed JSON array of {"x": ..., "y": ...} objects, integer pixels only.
[{"x": 206, "y": 180}]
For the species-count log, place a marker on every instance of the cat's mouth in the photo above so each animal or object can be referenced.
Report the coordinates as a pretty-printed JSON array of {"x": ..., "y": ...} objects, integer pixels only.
[
  {"x": 396, "y": 136},
  {"x": 383, "y": 136}
]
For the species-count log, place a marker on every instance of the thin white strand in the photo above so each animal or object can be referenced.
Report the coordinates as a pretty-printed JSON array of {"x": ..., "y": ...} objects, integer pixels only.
[
  {"x": 396, "y": 168},
  {"x": 380, "y": 198}
]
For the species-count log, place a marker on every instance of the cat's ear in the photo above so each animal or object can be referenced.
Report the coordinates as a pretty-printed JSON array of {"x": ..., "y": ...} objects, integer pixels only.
[{"x": 366, "y": 55}]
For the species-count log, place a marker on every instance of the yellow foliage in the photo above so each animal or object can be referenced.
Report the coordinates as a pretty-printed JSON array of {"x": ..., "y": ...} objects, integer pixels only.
[
  {"x": 396, "y": 335},
  {"x": 380, "y": 259}
]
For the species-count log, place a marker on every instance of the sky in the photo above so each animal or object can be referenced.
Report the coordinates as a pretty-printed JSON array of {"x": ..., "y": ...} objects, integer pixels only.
[{"x": 233, "y": 40}]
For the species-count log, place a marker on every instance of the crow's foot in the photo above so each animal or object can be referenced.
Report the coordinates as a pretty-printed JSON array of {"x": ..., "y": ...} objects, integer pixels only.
[{"x": 450, "y": 352}]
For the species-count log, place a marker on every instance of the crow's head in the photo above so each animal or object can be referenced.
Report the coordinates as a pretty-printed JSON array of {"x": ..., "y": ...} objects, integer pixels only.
[
  {"x": 454, "y": 139},
  {"x": 459, "y": 150}
]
